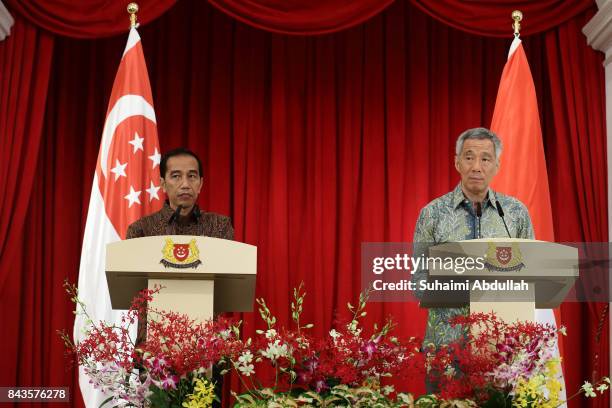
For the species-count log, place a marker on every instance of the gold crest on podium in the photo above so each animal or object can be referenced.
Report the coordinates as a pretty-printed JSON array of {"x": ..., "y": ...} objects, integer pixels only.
[
  {"x": 180, "y": 255},
  {"x": 504, "y": 258}
]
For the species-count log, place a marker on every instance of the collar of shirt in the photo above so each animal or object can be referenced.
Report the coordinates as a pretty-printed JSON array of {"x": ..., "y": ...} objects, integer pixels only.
[{"x": 460, "y": 198}]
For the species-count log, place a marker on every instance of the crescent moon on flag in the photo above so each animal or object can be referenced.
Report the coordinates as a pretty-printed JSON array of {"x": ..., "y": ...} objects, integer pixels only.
[{"x": 126, "y": 107}]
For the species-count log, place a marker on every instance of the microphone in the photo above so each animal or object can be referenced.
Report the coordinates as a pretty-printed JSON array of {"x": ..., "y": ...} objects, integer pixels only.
[
  {"x": 175, "y": 215},
  {"x": 173, "y": 218},
  {"x": 500, "y": 211},
  {"x": 196, "y": 212},
  {"x": 479, "y": 215}
]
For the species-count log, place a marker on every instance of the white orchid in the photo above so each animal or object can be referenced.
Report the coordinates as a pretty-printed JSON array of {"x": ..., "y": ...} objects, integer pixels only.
[
  {"x": 587, "y": 387},
  {"x": 275, "y": 351},
  {"x": 334, "y": 334},
  {"x": 247, "y": 370},
  {"x": 246, "y": 357}
]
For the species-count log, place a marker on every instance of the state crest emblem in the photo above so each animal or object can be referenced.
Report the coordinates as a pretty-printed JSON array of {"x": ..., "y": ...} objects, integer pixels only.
[
  {"x": 503, "y": 254},
  {"x": 504, "y": 258},
  {"x": 180, "y": 255}
]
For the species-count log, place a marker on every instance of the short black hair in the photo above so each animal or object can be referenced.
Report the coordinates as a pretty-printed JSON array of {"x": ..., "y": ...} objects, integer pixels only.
[{"x": 181, "y": 151}]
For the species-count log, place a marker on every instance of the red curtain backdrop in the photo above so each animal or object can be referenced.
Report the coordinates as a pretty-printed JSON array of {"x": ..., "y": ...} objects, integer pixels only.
[
  {"x": 25, "y": 65},
  {"x": 302, "y": 16},
  {"x": 86, "y": 18},
  {"x": 482, "y": 17},
  {"x": 101, "y": 18},
  {"x": 492, "y": 18},
  {"x": 312, "y": 144},
  {"x": 576, "y": 146}
]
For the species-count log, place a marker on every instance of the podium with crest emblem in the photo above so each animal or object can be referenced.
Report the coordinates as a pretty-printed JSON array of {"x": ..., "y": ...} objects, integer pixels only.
[
  {"x": 508, "y": 276},
  {"x": 200, "y": 276}
]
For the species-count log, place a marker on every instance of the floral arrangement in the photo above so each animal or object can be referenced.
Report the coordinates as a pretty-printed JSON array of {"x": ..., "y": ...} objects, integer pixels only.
[
  {"x": 308, "y": 370},
  {"x": 498, "y": 364},
  {"x": 167, "y": 369},
  {"x": 495, "y": 364}
]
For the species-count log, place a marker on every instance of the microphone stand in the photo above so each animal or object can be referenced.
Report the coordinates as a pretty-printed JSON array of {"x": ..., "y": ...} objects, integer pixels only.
[
  {"x": 479, "y": 215},
  {"x": 173, "y": 220},
  {"x": 500, "y": 211}
]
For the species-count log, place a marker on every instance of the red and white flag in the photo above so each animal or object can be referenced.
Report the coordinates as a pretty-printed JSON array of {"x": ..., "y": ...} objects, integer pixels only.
[
  {"x": 517, "y": 122},
  {"x": 126, "y": 186},
  {"x": 522, "y": 173}
]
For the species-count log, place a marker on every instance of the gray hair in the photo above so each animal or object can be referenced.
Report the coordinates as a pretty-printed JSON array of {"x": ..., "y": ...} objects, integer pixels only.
[{"x": 479, "y": 133}]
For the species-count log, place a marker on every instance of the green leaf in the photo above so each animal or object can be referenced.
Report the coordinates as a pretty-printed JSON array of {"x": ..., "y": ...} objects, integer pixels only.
[
  {"x": 106, "y": 401},
  {"x": 245, "y": 398},
  {"x": 497, "y": 399},
  {"x": 159, "y": 398}
]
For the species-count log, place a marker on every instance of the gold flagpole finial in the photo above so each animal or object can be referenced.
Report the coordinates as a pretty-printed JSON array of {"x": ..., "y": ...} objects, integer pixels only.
[
  {"x": 517, "y": 16},
  {"x": 132, "y": 8}
]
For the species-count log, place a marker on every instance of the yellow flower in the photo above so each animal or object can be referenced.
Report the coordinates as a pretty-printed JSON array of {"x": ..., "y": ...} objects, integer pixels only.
[
  {"x": 541, "y": 390},
  {"x": 203, "y": 395},
  {"x": 190, "y": 403}
]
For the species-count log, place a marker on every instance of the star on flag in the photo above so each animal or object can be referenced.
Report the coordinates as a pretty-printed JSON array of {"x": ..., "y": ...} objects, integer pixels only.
[
  {"x": 137, "y": 142},
  {"x": 155, "y": 158},
  {"x": 152, "y": 191},
  {"x": 132, "y": 197},
  {"x": 119, "y": 169}
]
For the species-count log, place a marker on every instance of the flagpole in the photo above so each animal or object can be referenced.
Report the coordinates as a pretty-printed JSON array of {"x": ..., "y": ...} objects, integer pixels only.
[{"x": 132, "y": 8}]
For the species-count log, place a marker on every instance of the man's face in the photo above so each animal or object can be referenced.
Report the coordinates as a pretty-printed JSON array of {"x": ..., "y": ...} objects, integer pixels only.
[
  {"x": 477, "y": 165},
  {"x": 182, "y": 181}
]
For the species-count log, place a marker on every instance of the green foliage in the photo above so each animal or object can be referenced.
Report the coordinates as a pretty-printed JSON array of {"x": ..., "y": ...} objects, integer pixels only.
[
  {"x": 343, "y": 396},
  {"x": 497, "y": 399},
  {"x": 159, "y": 398}
]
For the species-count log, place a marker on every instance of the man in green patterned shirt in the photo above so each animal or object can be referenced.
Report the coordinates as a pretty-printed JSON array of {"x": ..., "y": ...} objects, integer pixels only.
[{"x": 453, "y": 217}]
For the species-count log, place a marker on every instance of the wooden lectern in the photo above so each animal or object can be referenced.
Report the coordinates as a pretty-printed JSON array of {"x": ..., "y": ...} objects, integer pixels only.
[
  {"x": 548, "y": 269},
  {"x": 201, "y": 276}
]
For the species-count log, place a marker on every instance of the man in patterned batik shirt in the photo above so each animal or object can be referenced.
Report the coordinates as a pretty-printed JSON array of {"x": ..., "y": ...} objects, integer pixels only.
[
  {"x": 453, "y": 217},
  {"x": 181, "y": 180}
]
